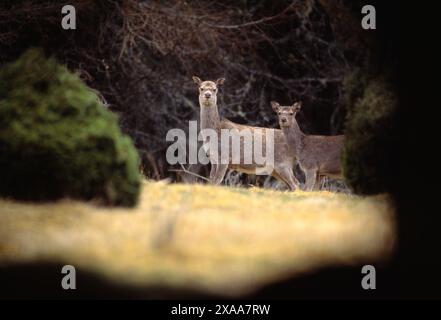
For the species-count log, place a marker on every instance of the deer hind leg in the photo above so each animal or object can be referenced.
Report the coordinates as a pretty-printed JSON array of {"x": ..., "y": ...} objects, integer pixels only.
[
  {"x": 221, "y": 170},
  {"x": 311, "y": 179},
  {"x": 286, "y": 174}
]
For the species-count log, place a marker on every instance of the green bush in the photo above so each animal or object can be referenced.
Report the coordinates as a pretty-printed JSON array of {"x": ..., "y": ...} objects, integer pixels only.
[
  {"x": 57, "y": 139},
  {"x": 370, "y": 152}
]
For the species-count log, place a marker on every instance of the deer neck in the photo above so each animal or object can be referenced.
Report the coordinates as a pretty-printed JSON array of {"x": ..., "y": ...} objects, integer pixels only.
[
  {"x": 294, "y": 136},
  {"x": 209, "y": 117}
]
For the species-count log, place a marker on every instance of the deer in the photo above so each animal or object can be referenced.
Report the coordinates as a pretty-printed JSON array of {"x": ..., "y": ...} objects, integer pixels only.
[
  {"x": 317, "y": 155},
  {"x": 284, "y": 161}
]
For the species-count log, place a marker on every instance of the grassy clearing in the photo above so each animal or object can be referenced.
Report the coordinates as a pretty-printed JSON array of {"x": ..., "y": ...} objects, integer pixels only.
[{"x": 217, "y": 239}]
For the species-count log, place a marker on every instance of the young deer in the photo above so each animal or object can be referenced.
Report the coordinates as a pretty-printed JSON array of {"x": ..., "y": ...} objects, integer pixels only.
[
  {"x": 210, "y": 119},
  {"x": 317, "y": 155}
]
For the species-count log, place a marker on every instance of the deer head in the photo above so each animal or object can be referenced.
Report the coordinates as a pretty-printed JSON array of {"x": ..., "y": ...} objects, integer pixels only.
[
  {"x": 208, "y": 91},
  {"x": 286, "y": 114}
]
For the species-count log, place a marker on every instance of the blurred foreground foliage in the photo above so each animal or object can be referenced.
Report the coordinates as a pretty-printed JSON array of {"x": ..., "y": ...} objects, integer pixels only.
[
  {"x": 370, "y": 157},
  {"x": 58, "y": 140},
  {"x": 197, "y": 239}
]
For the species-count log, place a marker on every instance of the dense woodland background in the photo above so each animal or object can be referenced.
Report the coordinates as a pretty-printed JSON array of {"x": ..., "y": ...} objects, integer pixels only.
[{"x": 140, "y": 56}]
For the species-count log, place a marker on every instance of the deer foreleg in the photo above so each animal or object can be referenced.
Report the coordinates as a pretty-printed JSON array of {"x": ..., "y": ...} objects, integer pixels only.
[
  {"x": 213, "y": 171},
  {"x": 220, "y": 173},
  {"x": 286, "y": 174}
]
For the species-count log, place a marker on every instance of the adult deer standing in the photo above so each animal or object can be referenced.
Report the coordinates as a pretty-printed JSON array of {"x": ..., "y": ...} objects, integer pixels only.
[
  {"x": 209, "y": 115},
  {"x": 316, "y": 155}
]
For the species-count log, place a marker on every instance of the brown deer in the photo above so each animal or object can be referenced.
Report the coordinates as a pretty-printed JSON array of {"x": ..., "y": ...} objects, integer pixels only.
[
  {"x": 317, "y": 155},
  {"x": 209, "y": 115}
]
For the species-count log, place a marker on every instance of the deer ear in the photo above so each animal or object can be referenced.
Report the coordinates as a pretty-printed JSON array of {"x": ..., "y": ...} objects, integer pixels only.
[
  {"x": 220, "y": 81},
  {"x": 297, "y": 106},
  {"x": 197, "y": 80},
  {"x": 275, "y": 106}
]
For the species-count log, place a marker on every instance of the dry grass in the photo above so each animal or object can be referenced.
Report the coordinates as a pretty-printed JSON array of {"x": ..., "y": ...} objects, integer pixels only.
[{"x": 217, "y": 239}]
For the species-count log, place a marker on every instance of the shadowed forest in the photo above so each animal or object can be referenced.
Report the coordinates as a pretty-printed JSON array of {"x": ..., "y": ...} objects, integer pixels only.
[{"x": 140, "y": 57}]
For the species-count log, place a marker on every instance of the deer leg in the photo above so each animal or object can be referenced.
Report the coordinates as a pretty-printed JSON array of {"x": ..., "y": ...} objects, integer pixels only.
[
  {"x": 294, "y": 179},
  {"x": 220, "y": 173},
  {"x": 311, "y": 179},
  {"x": 213, "y": 171},
  {"x": 287, "y": 175},
  {"x": 318, "y": 182}
]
